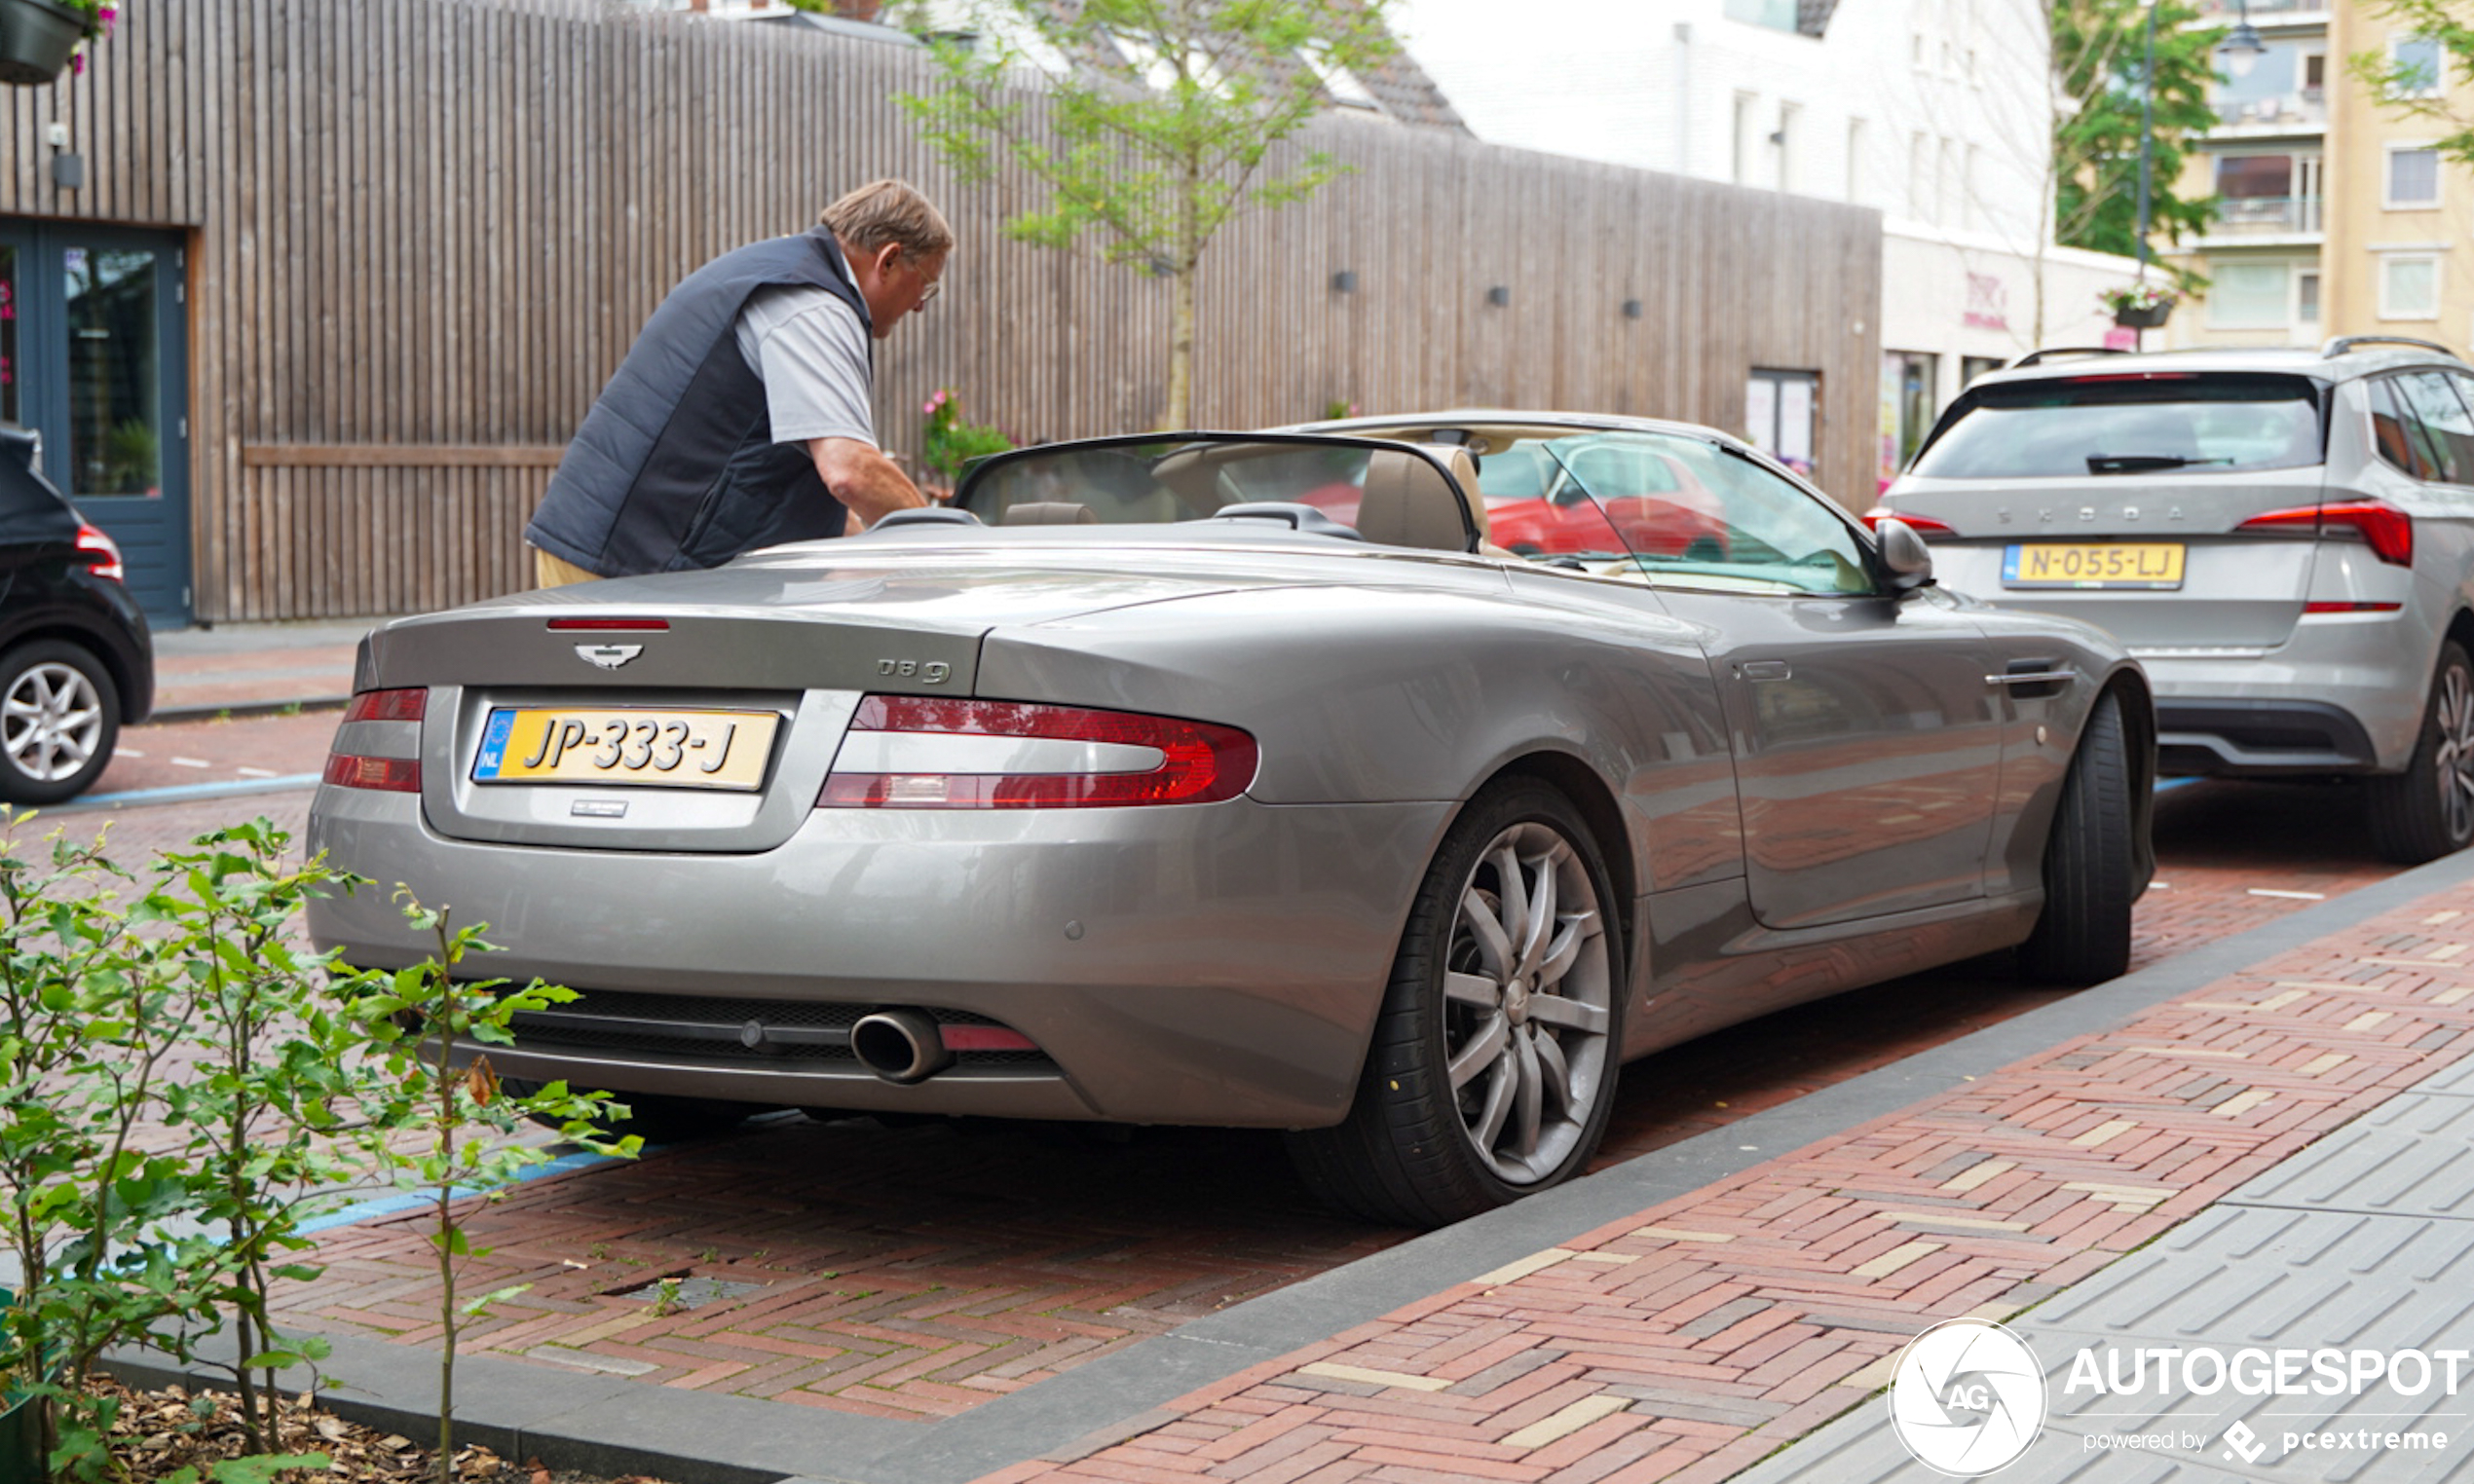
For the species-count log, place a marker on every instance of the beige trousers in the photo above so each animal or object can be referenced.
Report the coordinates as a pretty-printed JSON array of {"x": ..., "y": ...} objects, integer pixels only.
[{"x": 557, "y": 571}]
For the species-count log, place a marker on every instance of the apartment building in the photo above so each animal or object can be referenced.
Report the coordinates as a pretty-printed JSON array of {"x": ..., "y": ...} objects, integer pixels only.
[
  {"x": 2338, "y": 215},
  {"x": 1938, "y": 113}
]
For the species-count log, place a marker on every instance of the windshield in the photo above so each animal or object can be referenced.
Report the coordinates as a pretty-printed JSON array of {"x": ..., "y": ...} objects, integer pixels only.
[
  {"x": 1391, "y": 494},
  {"x": 2205, "y": 423}
]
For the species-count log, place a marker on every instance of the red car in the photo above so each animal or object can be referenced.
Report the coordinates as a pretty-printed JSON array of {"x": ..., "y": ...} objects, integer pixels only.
[{"x": 1606, "y": 497}]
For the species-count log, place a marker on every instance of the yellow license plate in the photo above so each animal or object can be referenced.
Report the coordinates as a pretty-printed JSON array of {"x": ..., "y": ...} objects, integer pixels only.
[
  {"x": 2092, "y": 564},
  {"x": 627, "y": 745}
]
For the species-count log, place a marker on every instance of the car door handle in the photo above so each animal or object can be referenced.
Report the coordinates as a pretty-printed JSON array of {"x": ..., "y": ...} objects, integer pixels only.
[
  {"x": 1764, "y": 670},
  {"x": 2032, "y": 677}
]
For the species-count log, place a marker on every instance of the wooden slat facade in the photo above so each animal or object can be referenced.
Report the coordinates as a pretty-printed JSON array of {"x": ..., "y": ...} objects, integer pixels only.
[{"x": 422, "y": 232}]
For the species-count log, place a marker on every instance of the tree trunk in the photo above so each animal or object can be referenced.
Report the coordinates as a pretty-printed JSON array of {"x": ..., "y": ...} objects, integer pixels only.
[{"x": 1181, "y": 353}]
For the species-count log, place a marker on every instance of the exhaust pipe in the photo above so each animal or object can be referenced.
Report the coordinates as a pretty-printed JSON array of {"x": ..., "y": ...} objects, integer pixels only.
[{"x": 900, "y": 1045}]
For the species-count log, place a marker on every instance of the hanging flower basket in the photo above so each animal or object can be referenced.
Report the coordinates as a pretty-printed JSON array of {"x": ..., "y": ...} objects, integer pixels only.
[
  {"x": 37, "y": 38},
  {"x": 2140, "y": 306}
]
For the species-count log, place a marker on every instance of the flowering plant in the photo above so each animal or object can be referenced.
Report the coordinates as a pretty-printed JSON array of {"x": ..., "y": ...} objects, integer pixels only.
[
  {"x": 952, "y": 443},
  {"x": 100, "y": 14},
  {"x": 2138, "y": 296}
]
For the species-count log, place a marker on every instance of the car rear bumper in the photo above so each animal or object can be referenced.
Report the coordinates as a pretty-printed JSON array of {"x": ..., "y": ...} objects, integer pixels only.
[
  {"x": 1203, "y": 964},
  {"x": 2344, "y": 694},
  {"x": 2254, "y": 738}
]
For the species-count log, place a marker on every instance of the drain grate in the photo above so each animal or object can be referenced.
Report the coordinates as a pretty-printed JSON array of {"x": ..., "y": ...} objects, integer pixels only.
[{"x": 689, "y": 1292}]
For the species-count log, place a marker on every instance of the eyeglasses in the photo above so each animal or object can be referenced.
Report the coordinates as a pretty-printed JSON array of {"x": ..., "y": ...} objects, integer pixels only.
[{"x": 927, "y": 295}]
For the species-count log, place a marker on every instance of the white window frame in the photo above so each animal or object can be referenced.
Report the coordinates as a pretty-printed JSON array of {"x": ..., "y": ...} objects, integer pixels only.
[
  {"x": 2287, "y": 324},
  {"x": 2388, "y": 310},
  {"x": 2439, "y": 67},
  {"x": 2388, "y": 173}
]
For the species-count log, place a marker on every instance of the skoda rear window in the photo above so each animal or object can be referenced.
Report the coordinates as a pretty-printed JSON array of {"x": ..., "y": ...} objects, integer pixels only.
[{"x": 2075, "y": 426}]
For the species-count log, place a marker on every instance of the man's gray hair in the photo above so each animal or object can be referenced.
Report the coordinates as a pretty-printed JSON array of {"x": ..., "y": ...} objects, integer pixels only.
[{"x": 885, "y": 212}]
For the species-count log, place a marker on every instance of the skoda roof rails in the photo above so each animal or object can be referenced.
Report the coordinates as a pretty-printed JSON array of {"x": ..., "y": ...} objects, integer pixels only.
[
  {"x": 2038, "y": 358},
  {"x": 2344, "y": 343}
]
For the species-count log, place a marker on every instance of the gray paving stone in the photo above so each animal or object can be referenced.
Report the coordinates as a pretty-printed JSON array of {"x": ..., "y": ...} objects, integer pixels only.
[{"x": 2412, "y": 1155}]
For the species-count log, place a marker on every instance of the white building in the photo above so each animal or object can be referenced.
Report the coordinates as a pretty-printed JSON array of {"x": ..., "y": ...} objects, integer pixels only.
[{"x": 1938, "y": 112}]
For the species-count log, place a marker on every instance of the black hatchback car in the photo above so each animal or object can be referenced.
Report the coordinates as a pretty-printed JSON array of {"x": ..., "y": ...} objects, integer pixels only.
[{"x": 76, "y": 660}]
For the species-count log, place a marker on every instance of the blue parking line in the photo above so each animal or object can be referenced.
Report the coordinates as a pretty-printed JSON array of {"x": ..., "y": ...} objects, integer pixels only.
[
  {"x": 414, "y": 1200},
  {"x": 182, "y": 792}
]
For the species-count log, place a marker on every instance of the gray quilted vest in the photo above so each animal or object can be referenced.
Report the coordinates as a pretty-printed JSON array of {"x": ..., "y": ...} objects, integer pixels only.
[{"x": 676, "y": 466}]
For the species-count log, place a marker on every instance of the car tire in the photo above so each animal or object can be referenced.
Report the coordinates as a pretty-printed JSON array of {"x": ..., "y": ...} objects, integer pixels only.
[
  {"x": 653, "y": 1116},
  {"x": 59, "y": 718},
  {"x": 2427, "y": 812},
  {"x": 1471, "y": 1098},
  {"x": 2090, "y": 861}
]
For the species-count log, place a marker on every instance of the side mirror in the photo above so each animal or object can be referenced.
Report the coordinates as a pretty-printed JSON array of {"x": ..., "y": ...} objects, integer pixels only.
[{"x": 1904, "y": 553}]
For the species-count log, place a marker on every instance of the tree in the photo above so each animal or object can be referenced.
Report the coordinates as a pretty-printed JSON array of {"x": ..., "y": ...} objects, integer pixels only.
[
  {"x": 2417, "y": 84},
  {"x": 1149, "y": 122},
  {"x": 2099, "y": 57}
]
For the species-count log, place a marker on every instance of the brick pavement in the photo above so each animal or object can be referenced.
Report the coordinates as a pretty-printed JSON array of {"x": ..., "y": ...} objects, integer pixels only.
[
  {"x": 916, "y": 1272},
  {"x": 1686, "y": 1342}
]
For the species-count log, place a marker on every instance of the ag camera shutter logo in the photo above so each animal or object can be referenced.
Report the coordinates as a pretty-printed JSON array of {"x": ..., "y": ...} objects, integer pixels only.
[{"x": 1968, "y": 1398}]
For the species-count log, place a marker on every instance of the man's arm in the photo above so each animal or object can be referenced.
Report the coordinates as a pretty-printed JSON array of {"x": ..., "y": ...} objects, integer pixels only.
[{"x": 864, "y": 479}]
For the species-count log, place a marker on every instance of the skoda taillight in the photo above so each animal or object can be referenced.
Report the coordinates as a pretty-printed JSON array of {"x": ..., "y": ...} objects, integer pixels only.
[
  {"x": 927, "y": 753},
  {"x": 1922, "y": 524},
  {"x": 2388, "y": 529}
]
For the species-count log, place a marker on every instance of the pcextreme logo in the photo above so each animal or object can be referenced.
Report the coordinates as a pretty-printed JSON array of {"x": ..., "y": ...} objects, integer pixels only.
[{"x": 1968, "y": 1398}]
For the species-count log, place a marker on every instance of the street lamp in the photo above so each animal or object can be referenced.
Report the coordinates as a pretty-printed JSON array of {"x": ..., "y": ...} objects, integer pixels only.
[{"x": 2240, "y": 51}]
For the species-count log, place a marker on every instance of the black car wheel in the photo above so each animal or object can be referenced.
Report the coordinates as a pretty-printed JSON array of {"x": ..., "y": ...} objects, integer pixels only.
[
  {"x": 2091, "y": 862},
  {"x": 60, "y": 716},
  {"x": 1493, "y": 1063},
  {"x": 2427, "y": 812},
  {"x": 654, "y": 1117}
]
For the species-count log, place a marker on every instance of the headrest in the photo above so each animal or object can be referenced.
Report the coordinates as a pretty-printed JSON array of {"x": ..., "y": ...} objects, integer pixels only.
[
  {"x": 1049, "y": 513},
  {"x": 1409, "y": 502}
]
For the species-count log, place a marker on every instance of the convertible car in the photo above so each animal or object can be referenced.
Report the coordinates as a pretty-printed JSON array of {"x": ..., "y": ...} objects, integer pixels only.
[{"x": 1133, "y": 788}]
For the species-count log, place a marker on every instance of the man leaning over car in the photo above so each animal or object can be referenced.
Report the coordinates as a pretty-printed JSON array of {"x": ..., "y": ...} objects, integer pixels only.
[{"x": 741, "y": 415}]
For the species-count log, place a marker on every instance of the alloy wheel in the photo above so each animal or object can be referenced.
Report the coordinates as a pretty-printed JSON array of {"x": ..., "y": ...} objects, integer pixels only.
[
  {"x": 2455, "y": 713},
  {"x": 51, "y": 721},
  {"x": 1528, "y": 987}
]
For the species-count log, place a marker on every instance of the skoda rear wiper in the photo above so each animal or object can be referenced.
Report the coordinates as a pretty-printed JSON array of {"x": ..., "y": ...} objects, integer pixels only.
[{"x": 2141, "y": 463}]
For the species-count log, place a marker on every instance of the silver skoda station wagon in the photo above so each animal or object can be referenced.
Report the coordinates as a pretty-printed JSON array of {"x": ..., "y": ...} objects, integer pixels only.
[{"x": 2285, "y": 537}]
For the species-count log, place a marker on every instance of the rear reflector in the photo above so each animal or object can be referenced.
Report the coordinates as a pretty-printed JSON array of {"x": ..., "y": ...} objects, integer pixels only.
[
  {"x": 395, "y": 775},
  {"x": 609, "y": 625},
  {"x": 2388, "y": 529},
  {"x": 961, "y": 1038},
  {"x": 388, "y": 705},
  {"x": 1922, "y": 524},
  {"x": 972, "y": 755},
  {"x": 103, "y": 552},
  {"x": 2351, "y": 607}
]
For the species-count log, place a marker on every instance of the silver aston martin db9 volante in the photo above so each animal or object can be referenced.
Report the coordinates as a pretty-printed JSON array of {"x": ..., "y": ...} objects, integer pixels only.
[{"x": 1250, "y": 780}]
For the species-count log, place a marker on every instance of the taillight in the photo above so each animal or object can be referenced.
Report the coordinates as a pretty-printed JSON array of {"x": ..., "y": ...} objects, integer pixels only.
[
  {"x": 1922, "y": 524},
  {"x": 2352, "y": 607},
  {"x": 388, "y": 705},
  {"x": 2388, "y": 529},
  {"x": 395, "y": 775},
  {"x": 103, "y": 552},
  {"x": 924, "y": 752},
  {"x": 609, "y": 625}
]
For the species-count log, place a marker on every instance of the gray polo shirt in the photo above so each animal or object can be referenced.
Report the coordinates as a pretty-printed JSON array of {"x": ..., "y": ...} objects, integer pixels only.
[{"x": 811, "y": 352}]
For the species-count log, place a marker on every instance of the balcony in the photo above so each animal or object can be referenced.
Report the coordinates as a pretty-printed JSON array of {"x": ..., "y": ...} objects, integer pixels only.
[
  {"x": 2303, "y": 108},
  {"x": 2239, "y": 216},
  {"x": 2260, "y": 9}
]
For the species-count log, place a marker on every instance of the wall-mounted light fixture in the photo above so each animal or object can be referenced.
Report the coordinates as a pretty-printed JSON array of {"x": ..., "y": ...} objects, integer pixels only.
[
  {"x": 68, "y": 169},
  {"x": 1344, "y": 282},
  {"x": 1632, "y": 308},
  {"x": 1499, "y": 296}
]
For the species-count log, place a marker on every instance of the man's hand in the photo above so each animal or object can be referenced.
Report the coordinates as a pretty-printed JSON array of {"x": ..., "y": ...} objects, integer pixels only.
[{"x": 863, "y": 479}]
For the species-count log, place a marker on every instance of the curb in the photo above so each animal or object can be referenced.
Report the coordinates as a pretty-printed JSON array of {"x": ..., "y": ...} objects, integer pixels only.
[
  {"x": 607, "y": 1423},
  {"x": 211, "y": 711}
]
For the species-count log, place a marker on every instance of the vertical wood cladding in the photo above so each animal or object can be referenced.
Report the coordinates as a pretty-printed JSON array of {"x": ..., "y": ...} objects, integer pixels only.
[{"x": 419, "y": 227}]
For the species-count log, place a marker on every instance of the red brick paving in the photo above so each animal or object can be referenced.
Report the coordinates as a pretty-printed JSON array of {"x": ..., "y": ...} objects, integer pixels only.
[
  {"x": 1686, "y": 1342},
  {"x": 914, "y": 1272}
]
